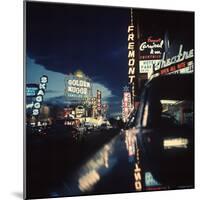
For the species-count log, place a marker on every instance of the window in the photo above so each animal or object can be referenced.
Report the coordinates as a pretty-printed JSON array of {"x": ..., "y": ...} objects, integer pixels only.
[
  {"x": 169, "y": 104},
  {"x": 177, "y": 112}
]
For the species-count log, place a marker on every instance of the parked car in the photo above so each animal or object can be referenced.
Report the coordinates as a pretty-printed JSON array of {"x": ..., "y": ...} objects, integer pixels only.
[{"x": 164, "y": 130}]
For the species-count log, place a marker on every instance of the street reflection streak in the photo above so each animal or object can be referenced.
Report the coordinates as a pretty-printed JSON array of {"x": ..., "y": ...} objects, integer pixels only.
[
  {"x": 91, "y": 173},
  {"x": 88, "y": 180},
  {"x": 130, "y": 139}
]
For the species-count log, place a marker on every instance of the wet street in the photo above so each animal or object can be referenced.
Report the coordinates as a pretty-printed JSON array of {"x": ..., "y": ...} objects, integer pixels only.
[{"x": 60, "y": 164}]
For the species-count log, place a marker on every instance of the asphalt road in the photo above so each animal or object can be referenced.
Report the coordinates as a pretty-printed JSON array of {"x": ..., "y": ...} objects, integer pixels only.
[{"x": 60, "y": 165}]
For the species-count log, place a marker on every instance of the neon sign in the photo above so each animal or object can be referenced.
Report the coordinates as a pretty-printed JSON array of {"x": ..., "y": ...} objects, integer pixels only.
[
  {"x": 181, "y": 56},
  {"x": 154, "y": 45},
  {"x": 131, "y": 54},
  {"x": 132, "y": 59},
  {"x": 99, "y": 101},
  {"x": 40, "y": 94},
  {"x": 31, "y": 89},
  {"x": 126, "y": 105},
  {"x": 77, "y": 87}
]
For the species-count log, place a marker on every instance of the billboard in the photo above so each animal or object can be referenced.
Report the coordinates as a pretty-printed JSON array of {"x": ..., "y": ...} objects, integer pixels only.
[
  {"x": 150, "y": 50},
  {"x": 176, "y": 62},
  {"x": 183, "y": 67},
  {"x": 182, "y": 63},
  {"x": 147, "y": 66},
  {"x": 77, "y": 86}
]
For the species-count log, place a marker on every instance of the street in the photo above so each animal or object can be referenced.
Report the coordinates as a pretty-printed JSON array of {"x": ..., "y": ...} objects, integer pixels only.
[
  {"x": 68, "y": 166},
  {"x": 109, "y": 109}
]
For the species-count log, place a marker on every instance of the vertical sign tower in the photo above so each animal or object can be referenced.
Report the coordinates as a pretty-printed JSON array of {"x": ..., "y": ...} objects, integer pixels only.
[
  {"x": 99, "y": 102},
  {"x": 126, "y": 104},
  {"x": 132, "y": 59}
]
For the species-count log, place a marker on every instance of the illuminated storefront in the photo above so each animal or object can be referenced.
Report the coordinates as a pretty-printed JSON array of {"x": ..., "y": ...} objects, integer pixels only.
[
  {"x": 79, "y": 111},
  {"x": 152, "y": 51},
  {"x": 78, "y": 91}
]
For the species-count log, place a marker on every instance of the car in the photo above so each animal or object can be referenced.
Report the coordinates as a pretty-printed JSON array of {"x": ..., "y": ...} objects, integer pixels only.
[{"x": 163, "y": 127}]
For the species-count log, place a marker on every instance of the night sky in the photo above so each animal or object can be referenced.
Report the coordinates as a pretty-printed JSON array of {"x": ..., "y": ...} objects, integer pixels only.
[{"x": 62, "y": 38}]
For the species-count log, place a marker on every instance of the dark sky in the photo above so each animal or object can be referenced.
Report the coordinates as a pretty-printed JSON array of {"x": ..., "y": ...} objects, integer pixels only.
[{"x": 64, "y": 38}]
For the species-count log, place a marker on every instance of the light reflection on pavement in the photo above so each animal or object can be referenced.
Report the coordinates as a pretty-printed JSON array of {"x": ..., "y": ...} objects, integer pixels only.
[{"x": 109, "y": 170}]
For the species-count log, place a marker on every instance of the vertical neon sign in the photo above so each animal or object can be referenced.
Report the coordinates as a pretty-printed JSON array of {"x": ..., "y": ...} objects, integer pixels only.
[
  {"x": 131, "y": 56},
  {"x": 40, "y": 94},
  {"x": 99, "y": 101}
]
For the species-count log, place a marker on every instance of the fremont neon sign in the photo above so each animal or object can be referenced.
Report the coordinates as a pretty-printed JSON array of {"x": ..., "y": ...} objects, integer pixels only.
[{"x": 131, "y": 54}]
